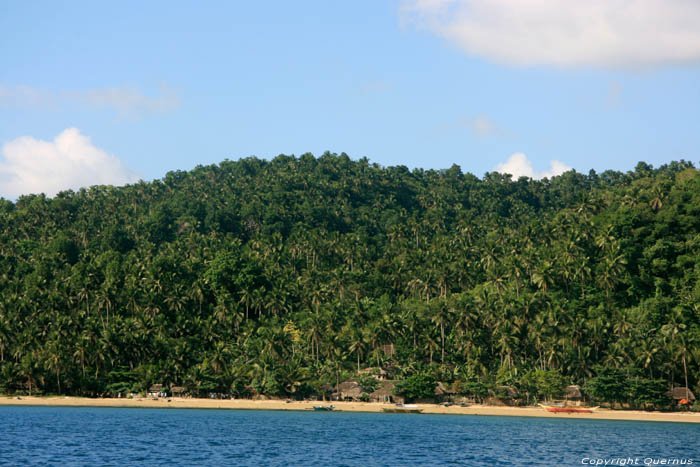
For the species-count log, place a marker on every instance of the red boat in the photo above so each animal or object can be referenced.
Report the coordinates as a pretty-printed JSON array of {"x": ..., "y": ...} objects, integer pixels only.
[{"x": 555, "y": 409}]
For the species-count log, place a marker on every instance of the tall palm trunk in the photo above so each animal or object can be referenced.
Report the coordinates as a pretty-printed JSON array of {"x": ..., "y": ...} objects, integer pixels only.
[
  {"x": 442, "y": 341},
  {"x": 685, "y": 374}
]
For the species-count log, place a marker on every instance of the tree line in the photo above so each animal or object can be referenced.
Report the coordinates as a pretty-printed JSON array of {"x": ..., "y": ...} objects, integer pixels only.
[{"x": 279, "y": 277}]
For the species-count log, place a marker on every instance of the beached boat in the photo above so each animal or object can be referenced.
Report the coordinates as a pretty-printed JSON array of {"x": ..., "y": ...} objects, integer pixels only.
[
  {"x": 558, "y": 409},
  {"x": 323, "y": 408},
  {"x": 403, "y": 408}
]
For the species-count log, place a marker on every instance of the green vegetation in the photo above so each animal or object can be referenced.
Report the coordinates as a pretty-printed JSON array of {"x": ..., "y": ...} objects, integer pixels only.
[
  {"x": 417, "y": 387},
  {"x": 284, "y": 277},
  {"x": 609, "y": 385},
  {"x": 368, "y": 382},
  {"x": 547, "y": 383}
]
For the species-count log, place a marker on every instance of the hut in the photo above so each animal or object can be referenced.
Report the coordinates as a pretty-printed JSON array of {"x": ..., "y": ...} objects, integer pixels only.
[
  {"x": 348, "y": 391},
  {"x": 679, "y": 393},
  {"x": 178, "y": 391},
  {"x": 385, "y": 393},
  {"x": 388, "y": 350},
  {"x": 326, "y": 391},
  {"x": 505, "y": 394},
  {"x": 390, "y": 369},
  {"x": 250, "y": 391},
  {"x": 377, "y": 372},
  {"x": 156, "y": 390},
  {"x": 442, "y": 393},
  {"x": 573, "y": 393}
]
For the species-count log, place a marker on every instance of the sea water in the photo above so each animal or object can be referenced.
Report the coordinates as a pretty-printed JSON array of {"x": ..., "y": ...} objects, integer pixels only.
[{"x": 109, "y": 436}]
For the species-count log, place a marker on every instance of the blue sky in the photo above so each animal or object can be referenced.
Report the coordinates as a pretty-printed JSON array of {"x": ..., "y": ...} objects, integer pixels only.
[{"x": 110, "y": 92}]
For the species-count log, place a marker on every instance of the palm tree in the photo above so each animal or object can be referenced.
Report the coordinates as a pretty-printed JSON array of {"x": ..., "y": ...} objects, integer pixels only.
[
  {"x": 84, "y": 294},
  {"x": 315, "y": 327},
  {"x": 439, "y": 318},
  {"x": 647, "y": 350},
  {"x": 358, "y": 343},
  {"x": 29, "y": 370},
  {"x": 53, "y": 360},
  {"x": 247, "y": 298},
  {"x": 4, "y": 333},
  {"x": 218, "y": 359},
  {"x": 196, "y": 292},
  {"x": 81, "y": 349},
  {"x": 657, "y": 203}
]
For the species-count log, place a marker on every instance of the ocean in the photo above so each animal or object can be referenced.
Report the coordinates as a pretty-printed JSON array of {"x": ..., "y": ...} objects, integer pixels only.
[{"x": 68, "y": 436}]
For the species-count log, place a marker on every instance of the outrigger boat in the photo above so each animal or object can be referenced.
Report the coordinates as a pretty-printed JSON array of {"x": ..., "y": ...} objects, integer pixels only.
[
  {"x": 323, "y": 408},
  {"x": 403, "y": 408},
  {"x": 558, "y": 409}
]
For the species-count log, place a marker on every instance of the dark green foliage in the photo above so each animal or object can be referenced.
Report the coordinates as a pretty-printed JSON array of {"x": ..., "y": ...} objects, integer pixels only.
[
  {"x": 417, "y": 387},
  {"x": 117, "y": 239},
  {"x": 648, "y": 393},
  {"x": 609, "y": 384},
  {"x": 548, "y": 383},
  {"x": 65, "y": 249},
  {"x": 283, "y": 277},
  {"x": 541, "y": 385},
  {"x": 123, "y": 381},
  {"x": 472, "y": 388},
  {"x": 368, "y": 382}
]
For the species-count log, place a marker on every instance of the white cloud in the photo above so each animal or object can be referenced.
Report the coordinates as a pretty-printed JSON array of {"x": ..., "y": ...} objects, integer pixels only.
[
  {"x": 483, "y": 126},
  {"x": 70, "y": 161},
  {"x": 126, "y": 101},
  {"x": 518, "y": 165},
  {"x": 607, "y": 33}
]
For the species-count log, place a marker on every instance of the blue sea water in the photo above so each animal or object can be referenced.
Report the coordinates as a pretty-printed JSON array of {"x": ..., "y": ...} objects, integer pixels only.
[{"x": 109, "y": 436}]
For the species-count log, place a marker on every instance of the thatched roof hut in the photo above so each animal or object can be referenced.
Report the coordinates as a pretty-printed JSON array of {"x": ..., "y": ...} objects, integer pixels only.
[
  {"x": 379, "y": 373},
  {"x": 326, "y": 390},
  {"x": 385, "y": 393},
  {"x": 156, "y": 388},
  {"x": 680, "y": 392},
  {"x": 442, "y": 390},
  {"x": 349, "y": 390},
  {"x": 388, "y": 350},
  {"x": 178, "y": 390},
  {"x": 573, "y": 392}
]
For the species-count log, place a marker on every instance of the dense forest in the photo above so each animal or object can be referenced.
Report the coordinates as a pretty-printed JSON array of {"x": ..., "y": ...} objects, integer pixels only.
[{"x": 282, "y": 277}]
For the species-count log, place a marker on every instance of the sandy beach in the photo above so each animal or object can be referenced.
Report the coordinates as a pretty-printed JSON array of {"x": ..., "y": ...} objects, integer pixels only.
[{"x": 247, "y": 404}]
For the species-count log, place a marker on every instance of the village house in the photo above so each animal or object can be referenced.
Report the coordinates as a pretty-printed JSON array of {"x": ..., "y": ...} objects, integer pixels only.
[{"x": 385, "y": 394}]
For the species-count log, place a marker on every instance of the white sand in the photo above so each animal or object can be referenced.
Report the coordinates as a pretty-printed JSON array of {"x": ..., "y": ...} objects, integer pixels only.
[{"x": 247, "y": 404}]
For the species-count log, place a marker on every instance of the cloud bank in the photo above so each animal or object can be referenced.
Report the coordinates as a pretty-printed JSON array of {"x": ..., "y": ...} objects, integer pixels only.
[
  {"x": 70, "y": 161},
  {"x": 518, "y": 165},
  {"x": 126, "y": 101},
  {"x": 565, "y": 33}
]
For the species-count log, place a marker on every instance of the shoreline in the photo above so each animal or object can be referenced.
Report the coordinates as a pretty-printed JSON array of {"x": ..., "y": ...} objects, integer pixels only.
[{"x": 249, "y": 404}]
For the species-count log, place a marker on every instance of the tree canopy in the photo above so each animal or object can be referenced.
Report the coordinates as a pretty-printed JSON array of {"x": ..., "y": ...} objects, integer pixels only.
[{"x": 280, "y": 276}]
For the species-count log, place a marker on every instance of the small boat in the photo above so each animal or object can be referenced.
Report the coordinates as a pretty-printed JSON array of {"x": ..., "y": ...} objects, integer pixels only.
[
  {"x": 323, "y": 408},
  {"x": 403, "y": 408},
  {"x": 557, "y": 409},
  {"x": 556, "y": 404}
]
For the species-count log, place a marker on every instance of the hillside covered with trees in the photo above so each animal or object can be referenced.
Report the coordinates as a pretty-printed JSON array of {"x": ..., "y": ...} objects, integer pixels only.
[{"x": 279, "y": 277}]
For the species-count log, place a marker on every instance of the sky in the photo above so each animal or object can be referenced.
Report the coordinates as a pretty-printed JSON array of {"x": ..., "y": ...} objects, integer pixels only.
[{"x": 114, "y": 92}]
